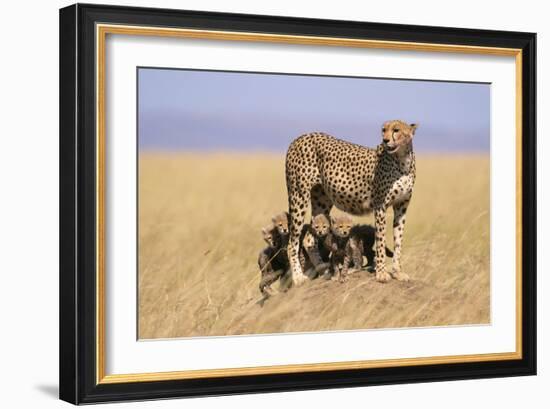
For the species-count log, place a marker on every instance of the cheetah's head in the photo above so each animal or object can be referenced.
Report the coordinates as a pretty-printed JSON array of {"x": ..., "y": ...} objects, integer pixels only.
[
  {"x": 268, "y": 234},
  {"x": 281, "y": 222},
  {"x": 397, "y": 134},
  {"x": 341, "y": 225},
  {"x": 321, "y": 225}
]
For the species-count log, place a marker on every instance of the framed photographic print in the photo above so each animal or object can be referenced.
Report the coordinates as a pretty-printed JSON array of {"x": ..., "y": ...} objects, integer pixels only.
[{"x": 257, "y": 203}]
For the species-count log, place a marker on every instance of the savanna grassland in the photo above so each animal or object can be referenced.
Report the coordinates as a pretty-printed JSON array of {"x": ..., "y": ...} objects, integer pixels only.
[{"x": 200, "y": 217}]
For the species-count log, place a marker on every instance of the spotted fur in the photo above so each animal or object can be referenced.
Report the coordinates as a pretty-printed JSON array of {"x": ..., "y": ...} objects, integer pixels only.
[
  {"x": 323, "y": 172},
  {"x": 340, "y": 256},
  {"x": 314, "y": 243}
]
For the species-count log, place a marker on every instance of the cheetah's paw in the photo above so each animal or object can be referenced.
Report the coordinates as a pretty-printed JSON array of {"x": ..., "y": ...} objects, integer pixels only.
[
  {"x": 382, "y": 276},
  {"x": 298, "y": 279},
  {"x": 400, "y": 276}
]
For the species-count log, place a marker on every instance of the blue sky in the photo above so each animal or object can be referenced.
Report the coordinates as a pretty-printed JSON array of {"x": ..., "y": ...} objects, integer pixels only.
[{"x": 221, "y": 111}]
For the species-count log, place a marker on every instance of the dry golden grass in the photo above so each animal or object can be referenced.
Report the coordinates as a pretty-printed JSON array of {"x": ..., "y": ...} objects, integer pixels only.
[{"x": 199, "y": 236}]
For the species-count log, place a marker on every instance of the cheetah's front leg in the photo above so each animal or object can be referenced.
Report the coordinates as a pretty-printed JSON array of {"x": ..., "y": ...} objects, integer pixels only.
[
  {"x": 345, "y": 269},
  {"x": 399, "y": 213},
  {"x": 356, "y": 253},
  {"x": 380, "y": 224}
]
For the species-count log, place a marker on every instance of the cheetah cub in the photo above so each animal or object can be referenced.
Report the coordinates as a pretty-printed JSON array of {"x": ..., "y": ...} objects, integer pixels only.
[
  {"x": 281, "y": 222},
  {"x": 362, "y": 239},
  {"x": 340, "y": 257},
  {"x": 273, "y": 259},
  {"x": 315, "y": 246}
]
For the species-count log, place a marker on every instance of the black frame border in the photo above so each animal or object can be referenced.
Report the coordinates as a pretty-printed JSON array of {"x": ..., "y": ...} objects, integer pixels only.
[{"x": 77, "y": 315}]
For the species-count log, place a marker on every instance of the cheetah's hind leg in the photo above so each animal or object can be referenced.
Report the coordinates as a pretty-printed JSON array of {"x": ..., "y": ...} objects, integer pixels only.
[
  {"x": 270, "y": 278},
  {"x": 267, "y": 280},
  {"x": 297, "y": 204}
]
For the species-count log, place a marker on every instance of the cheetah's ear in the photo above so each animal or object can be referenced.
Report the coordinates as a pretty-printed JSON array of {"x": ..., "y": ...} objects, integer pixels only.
[{"x": 413, "y": 128}]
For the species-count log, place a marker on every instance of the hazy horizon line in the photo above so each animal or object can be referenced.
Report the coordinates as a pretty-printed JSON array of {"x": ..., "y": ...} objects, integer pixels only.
[{"x": 283, "y": 152}]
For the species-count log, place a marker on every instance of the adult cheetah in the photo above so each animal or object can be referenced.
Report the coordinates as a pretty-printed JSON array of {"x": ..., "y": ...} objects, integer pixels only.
[{"x": 326, "y": 172}]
